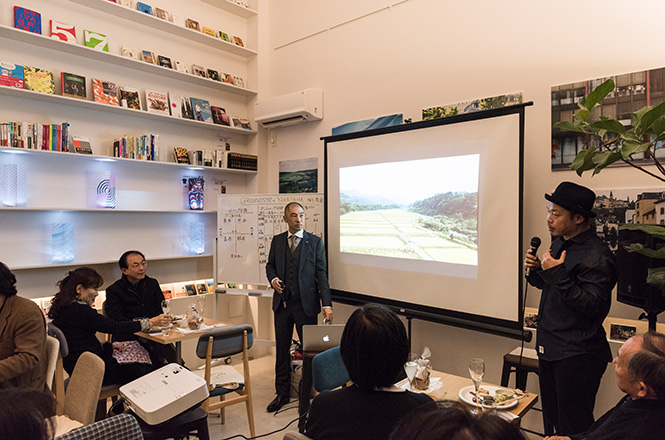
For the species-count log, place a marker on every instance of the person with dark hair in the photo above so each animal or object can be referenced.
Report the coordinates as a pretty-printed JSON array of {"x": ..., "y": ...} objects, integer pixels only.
[
  {"x": 134, "y": 296},
  {"x": 374, "y": 348},
  {"x": 72, "y": 312},
  {"x": 296, "y": 269},
  {"x": 26, "y": 414},
  {"x": 577, "y": 275},
  {"x": 22, "y": 338},
  {"x": 639, "y": 370},
  {"x": 450, "y": 420}
]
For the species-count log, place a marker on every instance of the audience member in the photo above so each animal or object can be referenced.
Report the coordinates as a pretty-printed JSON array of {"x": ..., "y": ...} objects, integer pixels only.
[
  {"x": 26, "y": 414},
  {"x": 72, "y": 312},
  {"x": 374, "y": 348},
  {"x": 640, "y": 373},
  {"x": 136, "y": 295},
  {"x": 450, "y": 420},
  {"x": 22, "y": 338}
]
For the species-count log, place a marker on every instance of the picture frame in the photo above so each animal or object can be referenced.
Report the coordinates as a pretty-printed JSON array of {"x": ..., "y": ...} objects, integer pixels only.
[{"x": 621, "y": 332}]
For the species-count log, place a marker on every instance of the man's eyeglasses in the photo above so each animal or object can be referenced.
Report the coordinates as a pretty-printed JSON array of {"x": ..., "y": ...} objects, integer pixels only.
[{"x": 141, "y": 264}]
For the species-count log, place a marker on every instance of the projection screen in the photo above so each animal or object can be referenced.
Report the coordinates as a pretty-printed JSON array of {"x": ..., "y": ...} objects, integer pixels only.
[{"x": 427, "y": 218}]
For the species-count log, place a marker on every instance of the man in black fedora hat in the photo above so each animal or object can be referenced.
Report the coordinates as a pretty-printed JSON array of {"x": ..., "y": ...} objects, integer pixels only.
[{"x": 577, "y": 275}]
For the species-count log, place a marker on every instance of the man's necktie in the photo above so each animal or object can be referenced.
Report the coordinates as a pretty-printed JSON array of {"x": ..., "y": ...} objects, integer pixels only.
[{"x": 293, "y": 243}]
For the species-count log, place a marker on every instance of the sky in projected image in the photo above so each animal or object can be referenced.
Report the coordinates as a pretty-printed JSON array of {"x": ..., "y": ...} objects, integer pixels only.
[{"x": 423, "y": 209}]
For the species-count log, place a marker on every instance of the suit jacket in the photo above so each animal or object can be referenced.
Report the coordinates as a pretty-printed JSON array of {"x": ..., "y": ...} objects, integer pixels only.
[
  {"x": 22, "y": 345},
  {"x": 312, "y": 272}
]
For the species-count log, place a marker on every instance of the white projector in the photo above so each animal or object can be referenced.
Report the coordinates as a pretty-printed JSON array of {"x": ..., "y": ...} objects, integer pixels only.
[{"x": 163, "y": 394}]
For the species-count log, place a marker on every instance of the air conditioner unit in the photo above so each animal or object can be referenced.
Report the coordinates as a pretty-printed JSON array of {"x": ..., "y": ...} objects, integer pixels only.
[{"x": 293, "y": 108}]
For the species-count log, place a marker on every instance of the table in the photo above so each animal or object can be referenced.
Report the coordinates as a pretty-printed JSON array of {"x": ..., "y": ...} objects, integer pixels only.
[
  {"x": 177, "y": 336},
  {"x": 451, "y": 386}
]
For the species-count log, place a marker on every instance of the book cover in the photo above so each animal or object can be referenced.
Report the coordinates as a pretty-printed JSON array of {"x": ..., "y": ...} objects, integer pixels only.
[
  {"x": 126, "y": 3},
  {"x": 238, "y": 81},
  {"x": 168, "y": 293},
  {"x": 149, "y": 57},
  {"x": 130, "y": 98},
  {"x": 201, "y": 288},
  {"x": 178, "y": 20},
  {"x": 214, "y": 75},
  {"x": 227, "y": 78},
  {"x": 210, "y": 285},
  {"x": 105, "y": 92},
  {"x": 199, "y": 71},
  {"x": 27, "y": 20},
  {"x": 209, "y": 31},
  {"x": 63, "y": 31},
  {"x": 180, "y": 155},
  {"x": 181, "y": 106},
  {"x": 165, "y": 61},
  {"x": 156, "y": 102},
  {"x": 190, "y": 289},
  {"x": 73, "y": 85},
  {"x": 143, "y": 7},
  {"x": 224, "y": 36},
  {"x": 96, "y": 40},
  {"x": 11, "y": 75},
  {"x": 219, "y": 116},
  {"x": 38, "y": 80},
  {"x": 192, "y": 24},
  {"x": 129, "y": 52},
  {"x": 202, "y": 111},
  {"x": 161, "y": 13},
  {"x": 238, "y": 41},
  {"x": 180, "y": 67}
]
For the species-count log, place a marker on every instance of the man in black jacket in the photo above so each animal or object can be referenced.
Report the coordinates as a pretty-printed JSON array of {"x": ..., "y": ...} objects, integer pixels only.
[{"x": 136, "y": 295}]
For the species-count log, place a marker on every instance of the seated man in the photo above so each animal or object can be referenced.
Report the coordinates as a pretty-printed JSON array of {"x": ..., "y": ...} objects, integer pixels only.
[
  {"x": 640, "y": 372},
  {"x": 22, "y": 338},
  {"x": 134, "y": 296}
]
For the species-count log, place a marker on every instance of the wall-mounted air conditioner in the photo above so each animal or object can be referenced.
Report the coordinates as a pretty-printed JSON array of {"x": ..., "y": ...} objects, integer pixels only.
[{"x": 293, "y": 108}]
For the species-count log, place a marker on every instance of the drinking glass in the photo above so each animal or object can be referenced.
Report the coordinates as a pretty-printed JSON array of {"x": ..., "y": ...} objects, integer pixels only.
[
  {"x": 200, "y": 304},
  {"x": 477, "y": 372},
  {"x": 410, "y": 367},
  {"x": 166, "y": 306}
]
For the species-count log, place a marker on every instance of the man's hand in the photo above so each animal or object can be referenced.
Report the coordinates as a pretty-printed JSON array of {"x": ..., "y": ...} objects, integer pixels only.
[
  {"x": 276, "y": 284},
  {"x": 549, "y": 261},
  {"x": 531, "y": 261},
  {"x": 160, "y": 321},
  {"x": 328, "y": 314}
]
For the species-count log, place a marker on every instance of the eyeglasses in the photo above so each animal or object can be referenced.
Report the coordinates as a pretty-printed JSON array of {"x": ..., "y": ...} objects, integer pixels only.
[{"x": 141, "y": 264}]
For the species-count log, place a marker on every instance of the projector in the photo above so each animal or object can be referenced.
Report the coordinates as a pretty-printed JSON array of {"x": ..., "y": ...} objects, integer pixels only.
[{"x": 163, "y": 394}]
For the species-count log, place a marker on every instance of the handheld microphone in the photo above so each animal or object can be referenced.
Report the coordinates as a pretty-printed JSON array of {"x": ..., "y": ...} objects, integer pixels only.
[{"x": 535, "y": 244}]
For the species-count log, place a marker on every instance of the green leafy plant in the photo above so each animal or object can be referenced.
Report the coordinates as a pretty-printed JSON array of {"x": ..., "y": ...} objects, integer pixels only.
[{"x": 616, "y": 142}]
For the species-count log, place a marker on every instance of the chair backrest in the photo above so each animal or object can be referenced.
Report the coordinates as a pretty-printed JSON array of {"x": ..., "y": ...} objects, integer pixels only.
[
  {"x": 60, "y": 336},
  {"x": 226, "y": 341},
  {"x": 84, "y": 386},
  {"x": 52, "y": 353},
  {"x": 328, "y": 370},
  {"x": 120, "y": 427}
]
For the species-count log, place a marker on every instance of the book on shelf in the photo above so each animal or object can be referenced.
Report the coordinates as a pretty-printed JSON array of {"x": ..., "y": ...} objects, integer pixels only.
[
  {"x": 238, "y": 81},
  {"x": 126, "y": 3},
  {"x": 224, "y": 36},
  {"x": 178, "y": 20},
  {"x": 219, "y": 116},
  {"x": 163, "y": 14},
  {"x": 208, "y": 31},
  {"x": 27, "y": 20},
  {"x": 80, "y": 145},
  {"x": 129, "y": 52},
  {"x": 105, "y": 92},
  {"x": 181, "y": 67},
  {"x": 238, "y": 41},
  {"x": 144, "y": 7},
  {"x": 38, "y": 80},
  {"x": 180, "y": 155},
  {"x": 156, "y": 102},
  {"x": 201, "y": 288},
  {"x": 73, "y": 85},
  {"x": 165, "y": 61},
  {"x": 227, "y": 78},
  {"x": 130, "y": 98},
  {"x": 149, "y": 57},
  {"x": 167, "y": 292},
  {"x": 202, "y": 111},
  {"x": 95, "y": 40},
  {"x": 213, "y": 74},
  {"x": 11, "y": 75},
  {"x": 193, "y": 24},
  {"x": 181, "y": 106},
  {"x": 199, "y": 71},
  {"x": 190, "y": 289},
  {"x": 63, "y": 31},
  {"x": 239, "y": 161},
  {"x": 144, "y": 147},
  {"x": 34, "y": 136}
]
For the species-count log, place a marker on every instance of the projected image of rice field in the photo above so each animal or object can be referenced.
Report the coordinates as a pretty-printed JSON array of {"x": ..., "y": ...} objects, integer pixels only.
[{"x": 398, "y": 233}]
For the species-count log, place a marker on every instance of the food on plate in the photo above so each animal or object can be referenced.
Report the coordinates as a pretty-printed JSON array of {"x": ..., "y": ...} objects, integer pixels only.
[{"x": 501, "y": 395}]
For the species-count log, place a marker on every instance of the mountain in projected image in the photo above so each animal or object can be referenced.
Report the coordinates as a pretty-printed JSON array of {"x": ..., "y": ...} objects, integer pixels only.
[{"x": 412, "y": 220}]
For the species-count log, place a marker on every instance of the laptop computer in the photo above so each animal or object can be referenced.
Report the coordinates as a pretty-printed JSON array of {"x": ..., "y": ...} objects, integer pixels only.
[{"x": 321, "y": 337}]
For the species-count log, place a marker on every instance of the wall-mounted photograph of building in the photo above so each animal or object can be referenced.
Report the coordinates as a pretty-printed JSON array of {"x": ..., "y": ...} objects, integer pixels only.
[{"x": 632, "y": 92}]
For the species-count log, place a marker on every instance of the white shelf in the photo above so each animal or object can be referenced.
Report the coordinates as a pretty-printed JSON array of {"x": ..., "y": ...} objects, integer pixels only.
[
  {"x": 124, "y": 160},
  {"x": 232, "y": 7},
  {"x": 153, "y": 22},
  {"x": 95, "y": 263},
  {"x": 118, "y": 60},
  {"x": 73, "y": 102}
]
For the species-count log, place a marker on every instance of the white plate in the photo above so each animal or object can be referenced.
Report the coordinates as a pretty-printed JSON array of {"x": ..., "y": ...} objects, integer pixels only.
[{"x": 466, "y": 396}]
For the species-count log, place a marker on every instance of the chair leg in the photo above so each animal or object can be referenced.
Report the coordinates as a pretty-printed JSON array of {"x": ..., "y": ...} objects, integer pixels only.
[
  {"x": 505, "y": 374},
  {"x": 222, "y": 411},
  {"x": 250, "y": 415}
]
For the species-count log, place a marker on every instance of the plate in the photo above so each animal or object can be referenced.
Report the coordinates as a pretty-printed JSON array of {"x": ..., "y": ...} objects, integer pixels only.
[{"x": 466, "y": 396}]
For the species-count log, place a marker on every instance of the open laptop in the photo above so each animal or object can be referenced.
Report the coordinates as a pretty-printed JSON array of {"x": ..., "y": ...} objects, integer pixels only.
[{"x": 321, "y": 337}]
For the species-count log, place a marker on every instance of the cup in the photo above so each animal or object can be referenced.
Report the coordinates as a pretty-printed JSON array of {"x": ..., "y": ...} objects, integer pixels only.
[{"x": 488, "y": 404}]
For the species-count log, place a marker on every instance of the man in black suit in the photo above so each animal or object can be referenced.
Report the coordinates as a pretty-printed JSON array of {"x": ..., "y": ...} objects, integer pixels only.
[{"x": 296, "y": 269}]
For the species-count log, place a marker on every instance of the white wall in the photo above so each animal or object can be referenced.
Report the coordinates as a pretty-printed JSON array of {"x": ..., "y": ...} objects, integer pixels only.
[{"x": 423, "y": 53}]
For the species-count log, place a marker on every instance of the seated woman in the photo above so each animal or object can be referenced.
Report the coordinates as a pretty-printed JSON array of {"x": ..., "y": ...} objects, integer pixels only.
[
  {"x": 374, "y": 348},
  {"x": 72, "y": 312}
]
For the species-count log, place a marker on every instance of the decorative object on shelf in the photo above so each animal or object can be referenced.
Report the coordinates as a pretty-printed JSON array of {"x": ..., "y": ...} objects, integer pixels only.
[
  {"x": 208, "y": 31},
  {"x": 149, "y": 57},
  {"x": 11, "y": 75},
  {"x": 13, "y": 185},
  {"x": 156, "y": 102},
  {"x": 105, "y": 92},
  {"x": 62, "y": 243},
  {"x": 96, "y": 41},
  {"x": 202, "y": 110},
  {"x": 180, "y": 155},
  {"x": 130, "y": 98},
  {"x": 161, "y": 13},
  {"x": 129, "y": 52},
  {"x": 219, "y": 116},
  {"x": 197, "y": 238},
  {"x": 224, "y": 36},
  {"x": 181, "y": 106},
  {"x": 73, "y": 85},
  {"x": 143, "y": 7},
  {"x": 195, "y": 194},
  {"x": 105, "y": 189},
  {"x": 472, "y": 106},
  {"x": 199, "y": 71},
  {"x": 39, "y": 80},
  {"x": 165, "y": 61},
  {"x": 27, "y": 20},
  {"x": 238, "y": 41},
  {"x": 193, "y": 25},
  {"x": 63, "y": 31}
]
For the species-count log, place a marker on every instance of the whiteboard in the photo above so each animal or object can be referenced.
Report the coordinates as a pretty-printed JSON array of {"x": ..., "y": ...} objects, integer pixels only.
[{"x": 246, "y": 225}]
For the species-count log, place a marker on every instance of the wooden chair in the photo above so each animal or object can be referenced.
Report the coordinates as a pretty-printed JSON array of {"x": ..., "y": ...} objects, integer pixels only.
[
  {"x": 52, "y": 355},
  {"x": 220, "y": 344}
]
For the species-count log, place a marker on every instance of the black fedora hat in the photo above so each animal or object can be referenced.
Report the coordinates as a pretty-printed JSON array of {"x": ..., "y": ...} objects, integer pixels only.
[{"x": 574, "y": 197}]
